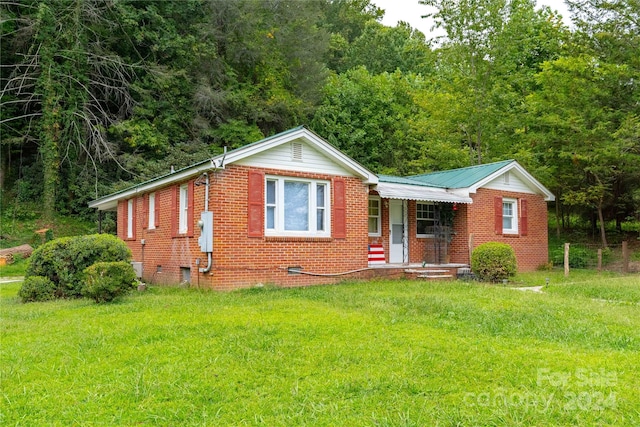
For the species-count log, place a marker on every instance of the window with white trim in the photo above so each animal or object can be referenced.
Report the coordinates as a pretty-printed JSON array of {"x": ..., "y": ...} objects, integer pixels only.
[
  {"x": 425, "y": 219},
  {"x": 510, "y": 216},
  {"x": 152, "y": 211},
  {"x": 130, "y": 219},
  {"x": 297, "y": 207},
  {"x": 183, "y": 209},
  {"x": 374, "y": 216}
]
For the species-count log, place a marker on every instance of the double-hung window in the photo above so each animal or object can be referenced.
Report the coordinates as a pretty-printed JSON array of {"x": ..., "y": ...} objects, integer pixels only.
[
  {"x": 297, "y": 207},
  {"x": 152, "y": 211},
  {"x": 130, "y": 219},
  {"x": 183, "y": 209},
  {"x": 374, "y": 216},
  {"x": 425, "y": 219},
  {"x": 509, "y": 216}
]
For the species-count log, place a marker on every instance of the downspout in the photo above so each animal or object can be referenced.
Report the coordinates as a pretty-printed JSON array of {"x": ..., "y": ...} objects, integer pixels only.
[{"x": 206, "y": 209}]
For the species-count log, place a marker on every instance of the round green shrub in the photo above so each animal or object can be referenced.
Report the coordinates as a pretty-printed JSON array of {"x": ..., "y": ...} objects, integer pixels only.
[
  {"x": 37, "y": 288},
  {"x": 105, "y": 281},
  {"x": 64, "y": 260},
  {"x": 494, "y": 261}
]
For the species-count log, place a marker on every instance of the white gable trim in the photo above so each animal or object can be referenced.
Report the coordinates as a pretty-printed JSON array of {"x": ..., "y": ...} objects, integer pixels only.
[
  {"x": 320, "y": 144},
  {"x": 526, "y": 177},
  {"x": 110, "y": 202}
]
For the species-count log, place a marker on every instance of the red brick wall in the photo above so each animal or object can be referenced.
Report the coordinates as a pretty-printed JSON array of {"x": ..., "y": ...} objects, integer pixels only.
[
  {"x": 421, "y": 248},
  {"x": 531, "y": 250},
  {"x": 239, "y": 260},
  {"x": 474, "y": 225}
]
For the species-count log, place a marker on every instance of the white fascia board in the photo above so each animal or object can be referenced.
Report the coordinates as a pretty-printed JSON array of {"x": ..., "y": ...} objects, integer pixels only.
[
  {"x": 327, "y": 149},
  {"x": 524, "y": 175},
  {"x": 110, "y": 201}
]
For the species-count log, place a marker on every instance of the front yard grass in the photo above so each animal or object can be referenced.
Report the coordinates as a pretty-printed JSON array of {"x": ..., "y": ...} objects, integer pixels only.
[{"x": 382, "y": 353}]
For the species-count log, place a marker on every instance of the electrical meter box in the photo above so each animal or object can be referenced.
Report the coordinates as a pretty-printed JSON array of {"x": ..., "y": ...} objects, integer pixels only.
[{"x": 206, "y": 231}]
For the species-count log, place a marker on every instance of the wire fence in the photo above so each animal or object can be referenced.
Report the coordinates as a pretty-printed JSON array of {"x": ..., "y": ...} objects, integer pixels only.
[{"x": 615, "y": 257}]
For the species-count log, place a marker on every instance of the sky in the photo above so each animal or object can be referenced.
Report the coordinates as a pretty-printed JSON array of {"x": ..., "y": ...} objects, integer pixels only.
[{"x": 410, "y": 11}]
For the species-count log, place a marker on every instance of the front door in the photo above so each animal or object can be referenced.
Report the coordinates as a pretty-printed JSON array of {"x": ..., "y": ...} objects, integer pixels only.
[{"x": 398, "y": 252}]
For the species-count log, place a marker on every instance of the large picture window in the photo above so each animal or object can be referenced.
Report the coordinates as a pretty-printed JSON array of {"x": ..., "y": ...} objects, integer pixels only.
[
  {"x": 425, "y": 219},
  {"x": 374, "y": 216},
  {"x": 297, "y": 207},
  {"x": 509, "y": 216}
]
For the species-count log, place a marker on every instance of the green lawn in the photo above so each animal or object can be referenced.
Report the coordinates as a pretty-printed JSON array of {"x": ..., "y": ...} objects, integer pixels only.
[{"x": 384, "y": 353}]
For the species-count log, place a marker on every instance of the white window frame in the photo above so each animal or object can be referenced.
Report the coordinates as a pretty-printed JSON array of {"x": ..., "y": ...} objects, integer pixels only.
[
  {"x": 313, "y": 208},
  {"x": 130, "y": 224},
  {"x": 152, "y": 211},
  {"x": 514, "y": 216},
  {"x": 183, "y": 208},
  {"x": 432, "y": 220},
  {"x": 378, "y": 218}
]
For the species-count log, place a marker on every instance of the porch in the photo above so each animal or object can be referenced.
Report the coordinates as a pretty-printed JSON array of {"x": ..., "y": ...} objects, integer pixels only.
[
  {"x": 420, "y": 271},
  {"x": 413, "y": 225}
]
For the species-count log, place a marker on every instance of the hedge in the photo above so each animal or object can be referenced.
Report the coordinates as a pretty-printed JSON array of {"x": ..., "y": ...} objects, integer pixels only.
[{"x": 64, "y": 260}]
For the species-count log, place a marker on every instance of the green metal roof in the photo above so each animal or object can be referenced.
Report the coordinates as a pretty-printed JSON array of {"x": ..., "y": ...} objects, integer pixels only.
[
  {"x": 459, "y": 178},
  {"x": 404, "y": 180}
]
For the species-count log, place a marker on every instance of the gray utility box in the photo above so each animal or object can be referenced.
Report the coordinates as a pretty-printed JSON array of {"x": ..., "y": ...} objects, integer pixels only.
[
  {"x": 137, "y": 267},
  {"x": 206, "y": 231}
]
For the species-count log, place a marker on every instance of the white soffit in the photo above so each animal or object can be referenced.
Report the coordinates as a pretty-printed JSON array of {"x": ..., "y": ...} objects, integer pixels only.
[{"x": 416, "y": 192}]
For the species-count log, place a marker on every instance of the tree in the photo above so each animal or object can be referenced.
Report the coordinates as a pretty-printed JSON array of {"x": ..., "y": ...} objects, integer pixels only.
[
  {"x": 486, "y": 62},
  {"x": 387, "y": 49},
  {"x": 579, "y": 130},
  {"x": 62, "y": 76}
]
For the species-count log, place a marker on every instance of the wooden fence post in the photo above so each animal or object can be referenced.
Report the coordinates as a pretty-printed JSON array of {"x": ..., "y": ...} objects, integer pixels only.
[
  {"x": 566, "y": 260},
  {"x": 625, "y": 257},
  {"x": 599, "y": 260}
]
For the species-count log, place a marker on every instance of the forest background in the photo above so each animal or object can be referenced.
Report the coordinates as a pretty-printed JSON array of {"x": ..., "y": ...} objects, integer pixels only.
[{"x": 98, "y": 95}]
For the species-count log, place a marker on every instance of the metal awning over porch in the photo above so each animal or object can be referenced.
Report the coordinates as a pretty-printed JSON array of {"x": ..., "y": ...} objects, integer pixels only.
[{"x": 390, "y": 190}]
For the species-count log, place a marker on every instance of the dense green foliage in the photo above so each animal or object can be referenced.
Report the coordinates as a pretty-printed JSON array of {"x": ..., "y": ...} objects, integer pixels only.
[
  {"x": 106, "y": 281},
  {"x": 388, "y": 353},
  {"x": 96, "y": 96},
  {"x": 494, "y": 261},
  {"x": 37, "y": 288},
  {"x": 64, "y": 260}
]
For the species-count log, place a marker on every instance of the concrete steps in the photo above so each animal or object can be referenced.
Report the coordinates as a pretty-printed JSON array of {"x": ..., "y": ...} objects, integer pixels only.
[{"x": 430, "y": 273}]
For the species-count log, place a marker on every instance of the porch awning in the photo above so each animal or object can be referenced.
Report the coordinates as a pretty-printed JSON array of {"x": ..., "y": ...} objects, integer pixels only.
[{"x": 389, "y": 190}]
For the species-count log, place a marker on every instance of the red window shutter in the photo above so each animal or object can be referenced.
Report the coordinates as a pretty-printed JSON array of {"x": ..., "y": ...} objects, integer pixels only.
[
  {"x": 145, "y": 211},
  {"x": 524, "y": 226},
  {"x": 255, "y": 216},
  {"x": 122, "y": 219},
  {"x": 339, "y": 209},
  {"x": 190, "y": 209},
  {"x": 174, "y": 211},
  {"x": 497, "y": 207},
  {"x": 156, "y": 218}
]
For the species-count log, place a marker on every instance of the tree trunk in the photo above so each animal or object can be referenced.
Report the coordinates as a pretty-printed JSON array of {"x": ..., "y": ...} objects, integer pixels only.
[
  {"x": 558, "y": 218},
  {"x": 49, "y": 150},
  {"x": 603, "y": 234}
]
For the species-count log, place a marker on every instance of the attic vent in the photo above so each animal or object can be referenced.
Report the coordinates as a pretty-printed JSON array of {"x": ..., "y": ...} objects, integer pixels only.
[
  {"x": 296, "y": 151},
  {"x": 506, "y": 178}
]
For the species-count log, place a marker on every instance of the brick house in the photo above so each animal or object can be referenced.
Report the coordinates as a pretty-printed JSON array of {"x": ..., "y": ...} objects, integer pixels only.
[{"x": 293, "y": 210}]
